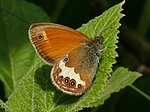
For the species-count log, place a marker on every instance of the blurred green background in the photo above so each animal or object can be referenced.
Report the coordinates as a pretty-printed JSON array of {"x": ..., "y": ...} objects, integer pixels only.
[{"x": 134, "y": 44}]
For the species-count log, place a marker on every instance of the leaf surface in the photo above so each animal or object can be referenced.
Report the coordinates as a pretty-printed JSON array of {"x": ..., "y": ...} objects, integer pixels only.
[{"x": 16, "y": 53}]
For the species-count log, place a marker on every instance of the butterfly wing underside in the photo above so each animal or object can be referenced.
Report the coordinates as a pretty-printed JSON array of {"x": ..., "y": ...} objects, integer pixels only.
[{"x": 73, "y": 65}]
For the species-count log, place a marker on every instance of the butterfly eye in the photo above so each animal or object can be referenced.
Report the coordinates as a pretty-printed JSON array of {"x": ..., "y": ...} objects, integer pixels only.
[
  {"x": 40, "y": 36},
  {"x": 72, "y": 83},
  {"x": 97, "y": 54},
  {"x": 89, "y": 44},
  {"x": 66, "y": 80},
  {"x": 65, "y": 59}
]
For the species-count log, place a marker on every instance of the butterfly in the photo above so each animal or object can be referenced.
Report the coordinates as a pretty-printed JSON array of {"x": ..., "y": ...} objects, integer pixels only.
[{"x": 73, "y": 55}]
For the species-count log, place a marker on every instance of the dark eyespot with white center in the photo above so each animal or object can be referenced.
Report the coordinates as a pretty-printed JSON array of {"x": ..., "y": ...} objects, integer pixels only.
[
  {"x": 61, "y": 77},
  {"x": 66, "y": 80},
  {"x": 66, "y": 59},
  {"x": 72, "y": 83},
  {"x": 40, "y": 37},
  {"x": 79, "y": 85}
]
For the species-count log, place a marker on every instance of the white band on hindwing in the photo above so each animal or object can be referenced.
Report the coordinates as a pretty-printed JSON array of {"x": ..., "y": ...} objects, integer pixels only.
[{"x": 69, "y": 72}]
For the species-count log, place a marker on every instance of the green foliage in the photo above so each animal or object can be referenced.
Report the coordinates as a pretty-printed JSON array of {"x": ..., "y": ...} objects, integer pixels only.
[
  {"x": 35, "y": 92},
  {"x": 16, "y": 53},
  {"x": 40, "y": 95},
  {"x": 119, "y": 80}
]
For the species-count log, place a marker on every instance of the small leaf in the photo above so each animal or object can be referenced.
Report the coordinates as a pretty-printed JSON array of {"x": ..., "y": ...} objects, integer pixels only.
[
  {"x": 121, "y": 78},
  {"x": 36, "y": 91},
  {"x": 16, "y": 53}
]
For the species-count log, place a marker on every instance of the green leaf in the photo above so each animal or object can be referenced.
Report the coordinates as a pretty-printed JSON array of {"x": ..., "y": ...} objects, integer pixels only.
[
  {"x": 16, "y": 53},
  {"x": 36, "y": 92},
  {"x": 121, "y": 78}
]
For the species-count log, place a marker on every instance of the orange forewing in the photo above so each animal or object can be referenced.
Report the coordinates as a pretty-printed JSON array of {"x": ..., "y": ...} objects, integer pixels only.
[{"x": 53, "y": 41}]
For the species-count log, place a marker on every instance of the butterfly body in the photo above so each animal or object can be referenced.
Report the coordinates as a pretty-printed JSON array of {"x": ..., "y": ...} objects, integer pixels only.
[{"x": 74, "y": 56}]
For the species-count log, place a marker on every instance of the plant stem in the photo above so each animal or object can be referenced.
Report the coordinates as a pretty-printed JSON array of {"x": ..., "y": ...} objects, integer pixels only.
[{"x": 140, "y": 92}]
